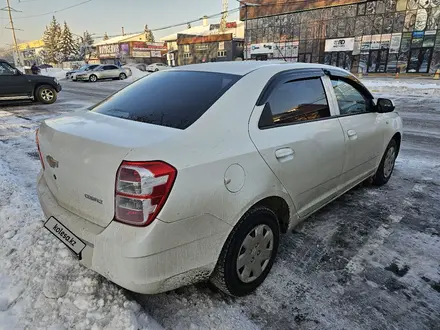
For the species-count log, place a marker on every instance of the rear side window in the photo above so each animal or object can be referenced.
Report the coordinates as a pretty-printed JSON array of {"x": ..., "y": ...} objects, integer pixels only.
[
  {"x": 174, "y": 99},
  {"x": 294, "y": 102}
]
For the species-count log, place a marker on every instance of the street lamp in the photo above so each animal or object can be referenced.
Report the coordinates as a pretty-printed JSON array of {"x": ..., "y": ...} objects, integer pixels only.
[{"x": 246, "y": 5}]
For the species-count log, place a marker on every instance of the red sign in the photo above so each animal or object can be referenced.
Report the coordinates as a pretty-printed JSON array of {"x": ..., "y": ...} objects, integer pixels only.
[{"x": 231, "y": 25}]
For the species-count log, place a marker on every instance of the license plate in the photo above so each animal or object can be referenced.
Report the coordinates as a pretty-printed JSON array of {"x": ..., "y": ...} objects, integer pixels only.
[{"x": 64, "y": 235}]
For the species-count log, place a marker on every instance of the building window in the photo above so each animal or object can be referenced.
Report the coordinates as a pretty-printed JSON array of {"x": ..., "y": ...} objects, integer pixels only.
[
  {"x": 221, "y": 53},
  {"x": 186, "y": 55},
  {"x": 186, "y": 48}
]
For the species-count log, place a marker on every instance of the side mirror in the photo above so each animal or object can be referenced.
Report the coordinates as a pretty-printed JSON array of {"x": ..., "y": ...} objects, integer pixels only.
[{"x": 385, "y": 105}]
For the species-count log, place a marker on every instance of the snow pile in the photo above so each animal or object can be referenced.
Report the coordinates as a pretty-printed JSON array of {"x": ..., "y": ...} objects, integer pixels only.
[
  {"x": 42, "y": 285},
  {"x": 54, "y": 72},
  {"x": 136, "y": 74},
  {"x": 407, "y": 87}
]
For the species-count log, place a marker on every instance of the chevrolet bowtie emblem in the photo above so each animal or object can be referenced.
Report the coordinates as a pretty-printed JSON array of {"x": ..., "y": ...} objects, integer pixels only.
[{"x": 52, "y": 162}]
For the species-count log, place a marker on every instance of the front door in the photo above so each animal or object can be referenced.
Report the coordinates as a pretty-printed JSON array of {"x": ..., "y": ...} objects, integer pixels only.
[
  {"x": 364, "y": 129},
  {"x": 12, "y": 82},
  {"x": 301, "y": 141}
]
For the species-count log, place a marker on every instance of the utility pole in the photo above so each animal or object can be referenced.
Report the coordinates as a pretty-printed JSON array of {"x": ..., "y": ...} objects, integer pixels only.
[{"x": 11, "y": 22}]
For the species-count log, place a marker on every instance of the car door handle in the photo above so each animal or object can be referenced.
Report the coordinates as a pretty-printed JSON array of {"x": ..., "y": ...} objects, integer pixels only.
[
  {"x": 284, "y": 154},
  {"x": 351, "y": 134}
]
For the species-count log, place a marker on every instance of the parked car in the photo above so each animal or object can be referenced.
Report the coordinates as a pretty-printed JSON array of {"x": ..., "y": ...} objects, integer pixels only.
[
  {"x": 14, "y": 85},
  {"x": 72, "y": 73},
  {"x": 157, "y": 67},
  {"x": 106, "y": 71},
  {"x": 45, "y": 66},
  {"x": 197, "y": 186}
]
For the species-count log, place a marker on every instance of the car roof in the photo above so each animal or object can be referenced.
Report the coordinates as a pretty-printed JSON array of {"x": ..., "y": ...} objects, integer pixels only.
[{"x": 244, "y": 67}]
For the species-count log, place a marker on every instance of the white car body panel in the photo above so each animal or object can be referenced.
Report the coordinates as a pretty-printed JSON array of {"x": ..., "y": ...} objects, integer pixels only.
[{"x": 225, "y": 165}]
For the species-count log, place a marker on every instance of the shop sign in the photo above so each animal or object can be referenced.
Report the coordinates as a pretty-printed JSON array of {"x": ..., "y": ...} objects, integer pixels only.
[
  {"x": 339, "y": 45},
  {"x": 375, "y": 42},
  {"x": 395, "y": 43},
  {"x": 141, "y": 53},
  {"x": 201, "y": 47},
  {"x": 156, "y": 53},
  {"x": 286, "y": 49},
  {"x": 108, "y": 50},
  {"x": 365, "y": 44},
  {"x": 125, "y": 49},
  {"x": 385, "y": 41},
  {"x": 139, "y": 46},
  {"x": 265, "y": 48},
  {"x": 155, "y": 46}
]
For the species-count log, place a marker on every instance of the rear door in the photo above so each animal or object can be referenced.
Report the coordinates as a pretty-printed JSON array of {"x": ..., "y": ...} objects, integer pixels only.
[
  {"x": 364, "y": 128},
  {"x": 294, "y": 129},
  {"x": 111, "y": 71}
]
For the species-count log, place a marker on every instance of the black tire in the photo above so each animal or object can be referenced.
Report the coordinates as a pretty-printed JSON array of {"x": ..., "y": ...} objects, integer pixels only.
[
  {"x": 93, "y": 78},
  {"x": 385, "y": 169},
  {"x": 122, "y": 76},
  {"x": 46, "y": 94},
  {"x": 156, "y": 70},
  {"x": 225, "y": 276}
]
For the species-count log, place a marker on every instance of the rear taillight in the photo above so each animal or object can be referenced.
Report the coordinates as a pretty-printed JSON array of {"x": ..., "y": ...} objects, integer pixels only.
[
  {"x": 38, "y": 146},
  {"x": 142, "y": 189}
]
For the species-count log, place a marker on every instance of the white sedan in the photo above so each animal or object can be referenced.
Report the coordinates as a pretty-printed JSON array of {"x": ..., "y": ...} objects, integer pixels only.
[
  {"x": 157, "y": 67},
  {"x": 192, "y": 173}
]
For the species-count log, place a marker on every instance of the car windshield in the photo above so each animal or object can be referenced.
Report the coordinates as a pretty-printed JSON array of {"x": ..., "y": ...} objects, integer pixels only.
[{"x": 174, "y": 99}]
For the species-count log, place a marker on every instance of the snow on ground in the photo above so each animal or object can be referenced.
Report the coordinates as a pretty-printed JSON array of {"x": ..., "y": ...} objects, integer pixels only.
[
  {"x": 407, "y": 86},
  {"x": 54, "y": 72},
  {"x": 42, "y": 286},
  {"x": 369, "y": 260},
  {"x": 136, "y": 74}
]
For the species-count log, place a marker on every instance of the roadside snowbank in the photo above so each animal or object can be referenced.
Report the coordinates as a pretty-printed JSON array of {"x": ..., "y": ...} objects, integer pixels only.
[
  {"x": 135, "y": 74},
  {"x": 42, "y": 286},
  {"x": 409, "y": 87},
  {"x": 54, "y": 72}
]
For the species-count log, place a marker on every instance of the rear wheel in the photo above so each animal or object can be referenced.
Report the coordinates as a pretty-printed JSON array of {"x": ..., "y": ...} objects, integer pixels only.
[
  {"x": 386, "y": 166},
  {"x": 122, "y": 76},
  {"x": 93, "y": 78},
  {"x": 248, "y": 254},
  {"x": 46, "y": 94}
]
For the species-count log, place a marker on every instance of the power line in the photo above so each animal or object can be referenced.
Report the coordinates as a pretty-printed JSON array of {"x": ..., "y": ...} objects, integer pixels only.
[
  {"x": 55, "y": 11},
  {"x": 176, "y": 25}
]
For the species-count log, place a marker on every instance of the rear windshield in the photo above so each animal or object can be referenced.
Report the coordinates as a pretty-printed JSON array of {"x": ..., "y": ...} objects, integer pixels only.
[{"x": 170, "y": 98}]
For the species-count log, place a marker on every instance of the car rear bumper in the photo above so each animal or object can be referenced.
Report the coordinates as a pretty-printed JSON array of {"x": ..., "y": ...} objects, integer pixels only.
[{"x": 157, "y": 258}]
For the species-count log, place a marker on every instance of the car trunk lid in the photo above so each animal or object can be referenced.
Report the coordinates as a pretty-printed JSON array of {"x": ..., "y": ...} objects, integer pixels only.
[{"x": 82, "y": 153}]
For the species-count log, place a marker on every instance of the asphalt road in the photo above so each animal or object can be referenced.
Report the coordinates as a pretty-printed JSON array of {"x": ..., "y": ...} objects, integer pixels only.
[{"x": 369, "y": 260}]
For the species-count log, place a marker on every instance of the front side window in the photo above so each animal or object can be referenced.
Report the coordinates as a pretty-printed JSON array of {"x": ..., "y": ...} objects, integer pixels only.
[
  {"x": 350, "y": 100},
  {"x": 297, "y": 101},
  {"x": 110, "y": 67},
  {"x": 6, "y": 70}
]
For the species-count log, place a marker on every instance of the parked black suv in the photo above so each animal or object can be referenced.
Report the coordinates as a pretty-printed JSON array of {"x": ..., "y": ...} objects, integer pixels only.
[{"x": 15, "y": 85}]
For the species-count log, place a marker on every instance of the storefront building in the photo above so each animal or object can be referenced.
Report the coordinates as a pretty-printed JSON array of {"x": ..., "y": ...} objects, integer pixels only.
[
  {"x": 132, "y": 52},
  {"x": 210, "y": 48},
  {"x": 361, "y": 36}
]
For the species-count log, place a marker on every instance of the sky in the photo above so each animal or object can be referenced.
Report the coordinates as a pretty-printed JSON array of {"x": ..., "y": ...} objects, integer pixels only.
[{"x": 100, "y": 16}]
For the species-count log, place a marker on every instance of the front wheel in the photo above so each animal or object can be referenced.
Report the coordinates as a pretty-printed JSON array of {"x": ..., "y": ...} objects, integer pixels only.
[
  {"x": 122, "y": 76},
  {"x": 386, "y": 166},
  {"x": 93, "y": 78},
  {"x": 46, "y": 94},
  {"x": 248, "y": 254}
]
